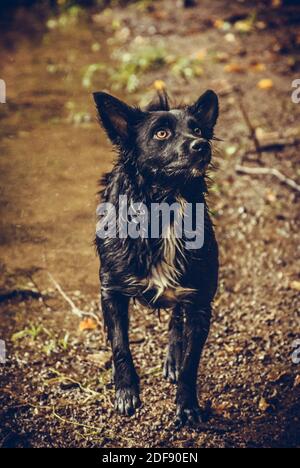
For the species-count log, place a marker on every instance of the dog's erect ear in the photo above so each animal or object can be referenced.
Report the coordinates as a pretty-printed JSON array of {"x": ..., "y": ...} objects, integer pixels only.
[
  {"x": 160, "y": 102},
  {"x": 206, "y": 108},
  {"x": 116, "y": 117}
]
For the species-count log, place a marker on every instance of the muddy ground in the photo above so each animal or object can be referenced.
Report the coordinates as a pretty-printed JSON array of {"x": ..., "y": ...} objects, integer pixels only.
[{"x": 55, "y": 385}]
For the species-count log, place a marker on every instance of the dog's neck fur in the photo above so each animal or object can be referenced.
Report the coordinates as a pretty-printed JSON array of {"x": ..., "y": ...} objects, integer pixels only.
[
  {"x": 159, "y": 190},
  {"x": 160, "y": 268},
  {"x": 168, "y": 261}
]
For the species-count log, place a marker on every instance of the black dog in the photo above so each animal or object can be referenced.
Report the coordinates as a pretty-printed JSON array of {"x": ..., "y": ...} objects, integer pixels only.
[{"x": 163, "y": 155}]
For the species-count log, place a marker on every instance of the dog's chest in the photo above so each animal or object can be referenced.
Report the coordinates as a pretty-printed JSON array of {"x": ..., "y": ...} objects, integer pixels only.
[
  {"x": 163, "y": 283},
  {"x": 166, "y": 273}
]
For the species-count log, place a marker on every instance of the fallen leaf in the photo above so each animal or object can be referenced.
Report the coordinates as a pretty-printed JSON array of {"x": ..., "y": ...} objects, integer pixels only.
[
  {"x": 222, "y": 57},
  {"x": 159, "y": 85},
  {"x": 160, "y": 14},
  {"x": 51, "y": 24},
  {"x": 95, "y": 47},
  {"x": 231, "y": 150},
  {"x": 229, "y": 37},
  {"x": 295, "y": 285},
  {"x": 243, "y": 26},
  {"x": 264, "y": 406},
  {"x": 219, "y": 23},
  {"x": 201, "y": 55},
  {"x": 257, "y": 67},
  {"x": 87, "y": 324},
  {"x": 234, "y": 68},
  {"x": 265, "y": 83},
  {"x": 223, "y": 409},
  {"x": 271, "y": 196}
]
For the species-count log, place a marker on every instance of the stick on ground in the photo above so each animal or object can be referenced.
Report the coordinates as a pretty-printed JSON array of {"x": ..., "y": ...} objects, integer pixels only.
[
  {"x": 268, "y": 171},
  {"x": 74, "y": 309}
]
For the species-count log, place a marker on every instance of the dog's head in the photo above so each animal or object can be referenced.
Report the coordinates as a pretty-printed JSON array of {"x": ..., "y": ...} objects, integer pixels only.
[{"x": 166, "y": 144}]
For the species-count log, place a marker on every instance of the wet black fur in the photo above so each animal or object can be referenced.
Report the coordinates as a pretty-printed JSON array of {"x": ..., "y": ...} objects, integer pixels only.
[{"x": 148, "y": 170}]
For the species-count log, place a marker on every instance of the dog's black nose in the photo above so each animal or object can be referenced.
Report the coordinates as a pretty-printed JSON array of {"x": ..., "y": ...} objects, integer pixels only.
[{"x": 198, "y": 146}]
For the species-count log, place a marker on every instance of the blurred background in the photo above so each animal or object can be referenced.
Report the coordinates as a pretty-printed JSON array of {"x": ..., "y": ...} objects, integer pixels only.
[{"x": 55, "y": 386}]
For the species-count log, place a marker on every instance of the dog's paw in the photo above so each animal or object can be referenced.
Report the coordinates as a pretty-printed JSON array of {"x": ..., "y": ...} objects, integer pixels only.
[
  {"x": 127, "y": 401},
  {"x": 191, "y": 416},
  {"x": 172, "y": 366}
]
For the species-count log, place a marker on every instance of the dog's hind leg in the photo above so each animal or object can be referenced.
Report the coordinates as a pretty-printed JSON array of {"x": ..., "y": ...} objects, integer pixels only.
[
  {"x": 173, "y": 360},
  {"x": 115, "y": 310},
  {"x": 196, "y": 332}
]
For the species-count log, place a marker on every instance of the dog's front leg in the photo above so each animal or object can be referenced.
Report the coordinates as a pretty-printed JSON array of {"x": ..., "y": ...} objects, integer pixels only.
[
  {"x": 115, "y": 310},
  {"x": 196, "y": 332},
  {"x": 173, "y": 360}
]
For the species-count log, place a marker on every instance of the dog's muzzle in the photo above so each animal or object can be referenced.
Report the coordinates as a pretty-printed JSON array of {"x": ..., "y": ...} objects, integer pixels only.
[{"x": 200, "y": 153}]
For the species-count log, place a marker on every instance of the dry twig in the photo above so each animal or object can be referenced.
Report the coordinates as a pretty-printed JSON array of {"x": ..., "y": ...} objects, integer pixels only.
[
  {"x": 251, "y": 128},
  {"x": 76, "y": 423},
  {"x": 268, "y": 171},
  {"x": 74, "y": 309}
]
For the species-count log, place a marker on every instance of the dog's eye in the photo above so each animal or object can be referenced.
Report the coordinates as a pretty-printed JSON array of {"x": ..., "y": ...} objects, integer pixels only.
[
  {"x": 197, "y": 131},
  {"x": 163, "y": 134}
]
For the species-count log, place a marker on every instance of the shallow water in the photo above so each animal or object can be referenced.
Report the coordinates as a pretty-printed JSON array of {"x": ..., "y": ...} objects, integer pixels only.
[{"x": 52, "y": 153}]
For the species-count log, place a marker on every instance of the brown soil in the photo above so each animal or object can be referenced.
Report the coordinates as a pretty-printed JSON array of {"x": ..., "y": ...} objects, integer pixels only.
[{"x": 56, "y": 392}]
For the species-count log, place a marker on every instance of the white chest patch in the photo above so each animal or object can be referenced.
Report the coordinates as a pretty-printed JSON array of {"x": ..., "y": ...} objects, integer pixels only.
[{"x": 165, "y": 275}]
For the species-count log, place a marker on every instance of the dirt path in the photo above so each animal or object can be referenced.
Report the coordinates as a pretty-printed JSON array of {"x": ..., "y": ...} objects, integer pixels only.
[{"x": 55, "y": 386}]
